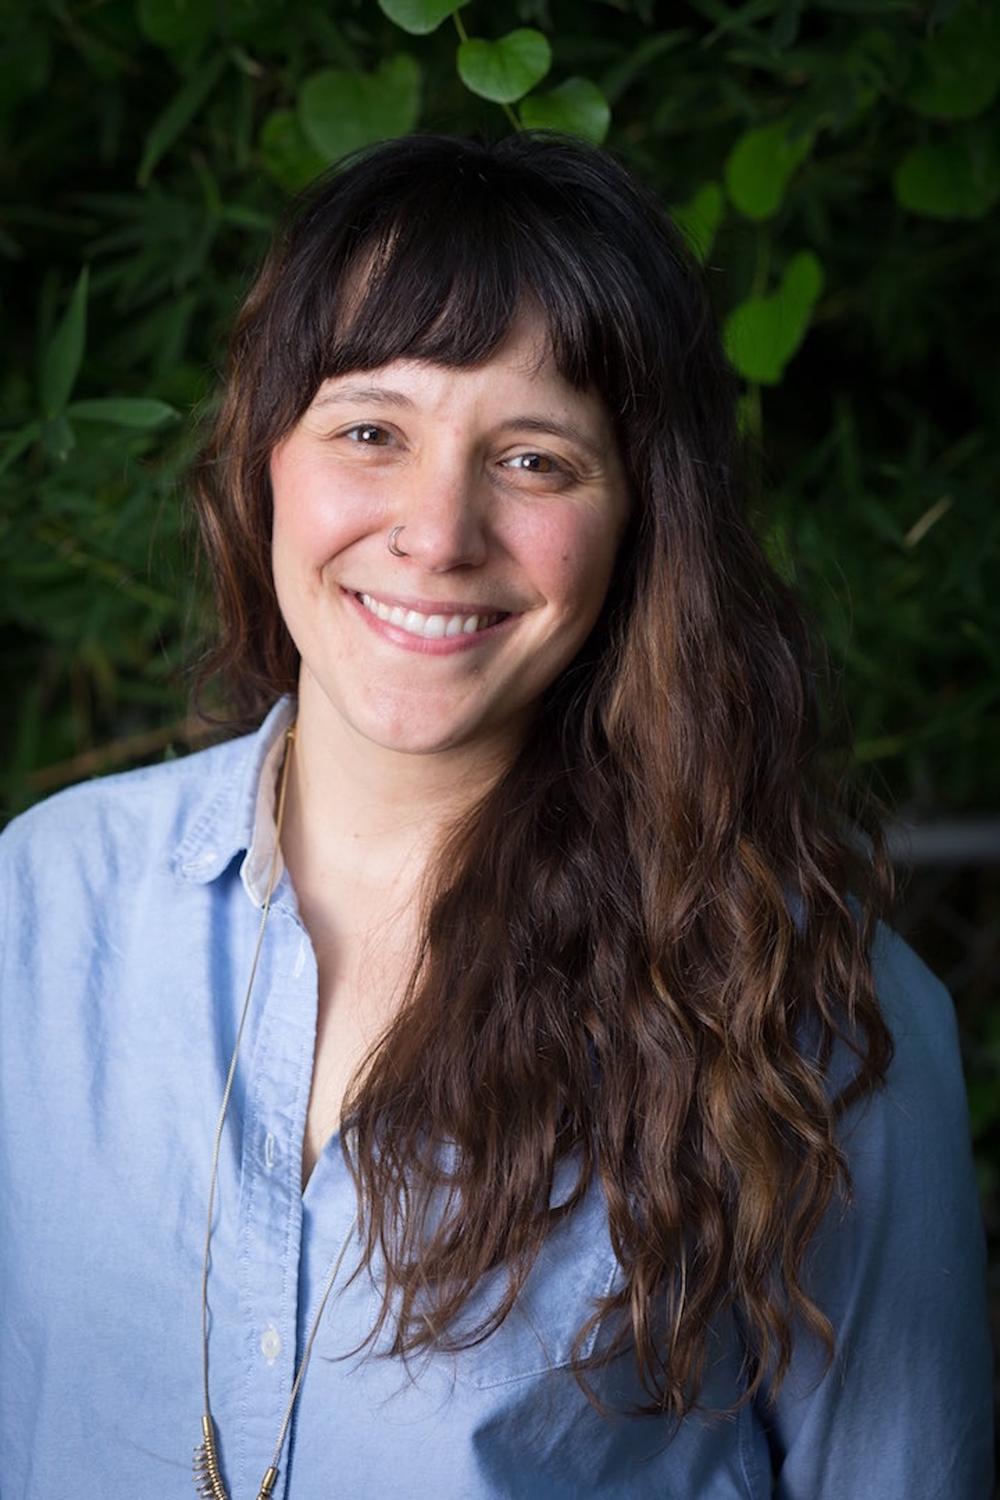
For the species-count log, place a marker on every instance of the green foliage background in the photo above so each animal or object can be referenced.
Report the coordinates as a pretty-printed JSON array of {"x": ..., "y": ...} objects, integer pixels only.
[{"x": 836, "y": 163}]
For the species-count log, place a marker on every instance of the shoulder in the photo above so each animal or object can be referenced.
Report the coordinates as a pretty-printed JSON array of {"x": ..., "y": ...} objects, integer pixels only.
[
  {"x": 917, "y": 1005},
  {"x": 925, "y": 1075},
  {"x": 103, "y": 827},
  {"x": 914, "y": 1207},
  {"x": 918, "y": 1011},
  {"x": 899, "y": 1268}
]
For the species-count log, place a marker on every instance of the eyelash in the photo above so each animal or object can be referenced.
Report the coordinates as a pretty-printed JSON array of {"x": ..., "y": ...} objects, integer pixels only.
[{"x": 558, "y": 468}]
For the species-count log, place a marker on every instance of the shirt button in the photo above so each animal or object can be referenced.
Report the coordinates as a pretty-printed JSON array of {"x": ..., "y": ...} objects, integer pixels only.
[
  {"x": 270, "y": 1151},
  {"x": 270, "y": 1343}
]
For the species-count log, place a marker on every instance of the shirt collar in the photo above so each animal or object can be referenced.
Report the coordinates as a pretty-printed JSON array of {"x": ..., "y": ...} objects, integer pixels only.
[{"x": 239, "y": 814}]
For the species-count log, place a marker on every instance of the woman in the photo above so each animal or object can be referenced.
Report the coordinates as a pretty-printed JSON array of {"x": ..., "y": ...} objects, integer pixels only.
[{"x": 523, "y": 961}]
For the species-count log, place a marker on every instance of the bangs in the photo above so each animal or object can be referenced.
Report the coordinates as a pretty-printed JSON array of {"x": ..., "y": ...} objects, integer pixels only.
[{"x": 435, "y": 260}]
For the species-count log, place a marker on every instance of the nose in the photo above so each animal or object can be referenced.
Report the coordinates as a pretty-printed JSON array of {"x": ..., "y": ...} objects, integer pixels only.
[{"x": 442, "y": 516}]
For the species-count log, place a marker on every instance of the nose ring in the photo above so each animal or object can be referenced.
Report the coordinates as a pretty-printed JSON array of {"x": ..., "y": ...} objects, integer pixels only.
[{"x": 396, "y": 551}]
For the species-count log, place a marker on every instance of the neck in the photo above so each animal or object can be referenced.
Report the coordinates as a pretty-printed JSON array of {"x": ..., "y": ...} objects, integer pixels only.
[{"x": 362, "y": 812}]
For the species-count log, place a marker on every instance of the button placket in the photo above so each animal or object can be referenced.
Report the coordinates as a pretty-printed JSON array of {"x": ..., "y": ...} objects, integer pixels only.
[{"x": 277, "y": 1093}]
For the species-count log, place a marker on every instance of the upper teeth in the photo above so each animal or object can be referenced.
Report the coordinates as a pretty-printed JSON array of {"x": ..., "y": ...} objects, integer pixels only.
[{"x": 431, "y": 626}]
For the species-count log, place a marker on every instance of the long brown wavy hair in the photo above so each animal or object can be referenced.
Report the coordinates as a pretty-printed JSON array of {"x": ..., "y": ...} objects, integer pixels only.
[{"x": 639, "y": 948}]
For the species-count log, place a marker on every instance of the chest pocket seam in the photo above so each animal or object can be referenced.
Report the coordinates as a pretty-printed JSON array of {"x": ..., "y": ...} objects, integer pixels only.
[
  {"x": 485, "y": 1366},
  {"x": 575, "y": 1267}
]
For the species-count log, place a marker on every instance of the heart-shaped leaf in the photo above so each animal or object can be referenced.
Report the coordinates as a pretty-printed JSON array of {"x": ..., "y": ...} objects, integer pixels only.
[
  {"x": 763, "y": 333},
  {"x": 418, "y": 17},
  {"x": 124, "y": 411},
  {"x": 577, "y": 107},
  {"x": 760, "y": 166},
  {"x": 64, "y": 352},
  {"x": 949, "y": 179},
  {"x": 956, "y": 71},
  {"x": 699, "y": 218},
  {"x": 505, "y": 70},
  {"x": 285, "y": 154},
  {"x": 341, "y": 111}
]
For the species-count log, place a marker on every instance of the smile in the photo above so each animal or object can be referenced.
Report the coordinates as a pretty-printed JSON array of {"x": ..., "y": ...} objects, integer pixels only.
[{"x": 429, "y": 627}]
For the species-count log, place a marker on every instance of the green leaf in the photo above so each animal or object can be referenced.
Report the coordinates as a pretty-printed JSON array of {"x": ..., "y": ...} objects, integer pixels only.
[
  {"x": 624, "y": 71},
  {"x": 58, "y": 439},
  {"x": 760, "y": 166},
  {"x": 285, "y": 154},
  {"x": 699, "y": 218},
  {"x": 61, "y": 359},
  {"x": 949, "y": 179},
  {"x": 418, "y": 17},
  {"x": 340, "y": 111},
  {"x": 175, "y": 23},
  {"x": 505, "y": 70},
  {"x": 577, "y": 107},
  {"x": 984, "y": 1103},
  {"x": 178, "y": 115},
  {"x": 956, "y": 72},
  {"x": 261, "y": 23},
  {"x": 16, "y": 443},
  {"x": 801, "y": 286},
  {"x": 785, "y": 27},
  {"x": 124, "y": 411},
  {"x": 25, "y": 63},
  {"x": 763, "y": 333}
]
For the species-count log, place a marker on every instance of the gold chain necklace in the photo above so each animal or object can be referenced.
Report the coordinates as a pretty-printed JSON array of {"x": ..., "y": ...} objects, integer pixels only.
[{"x": 207, "y": 1473}]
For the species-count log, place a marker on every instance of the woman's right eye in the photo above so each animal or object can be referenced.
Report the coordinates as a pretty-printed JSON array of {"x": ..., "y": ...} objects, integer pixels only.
[{"x": 366, "y": 428}]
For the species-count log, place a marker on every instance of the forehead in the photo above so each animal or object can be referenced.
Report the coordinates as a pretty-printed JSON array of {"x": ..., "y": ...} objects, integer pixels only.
[{"x": 522, "y": 366}]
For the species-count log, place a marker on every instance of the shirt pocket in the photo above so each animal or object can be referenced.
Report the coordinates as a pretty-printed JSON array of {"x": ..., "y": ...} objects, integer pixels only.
[{"x": 574, "y": 1269}]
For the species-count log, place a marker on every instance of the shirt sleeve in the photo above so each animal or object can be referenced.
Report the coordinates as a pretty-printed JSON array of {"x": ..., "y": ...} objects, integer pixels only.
[{"x": 905, "y": 1410}]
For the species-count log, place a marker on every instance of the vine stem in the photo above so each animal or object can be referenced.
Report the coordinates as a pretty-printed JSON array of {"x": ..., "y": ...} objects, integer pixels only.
[
  {"x": 763, "y": 264},
  {"x": 753, "y": 410},
  {"x": 464, "y": 36}
]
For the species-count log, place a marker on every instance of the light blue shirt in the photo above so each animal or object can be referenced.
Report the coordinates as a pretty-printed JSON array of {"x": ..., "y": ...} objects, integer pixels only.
[{"x": 131, "y": 907}]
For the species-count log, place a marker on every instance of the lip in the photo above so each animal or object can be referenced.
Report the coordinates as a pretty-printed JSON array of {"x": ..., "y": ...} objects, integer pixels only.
[
  {"x": 434, "y": 606},
  {"x": 445, "y": 645}
]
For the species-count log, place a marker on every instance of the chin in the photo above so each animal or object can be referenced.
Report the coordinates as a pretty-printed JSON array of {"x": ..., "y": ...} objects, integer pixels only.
[
  {"x": 413, "y": 739},
  {"x": 415, "y": 744}
]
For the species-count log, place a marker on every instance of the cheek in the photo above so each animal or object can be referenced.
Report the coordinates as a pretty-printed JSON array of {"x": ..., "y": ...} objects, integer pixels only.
[
  {"x": 314, "y": 518},
  {"x": 569, "y": 556}
]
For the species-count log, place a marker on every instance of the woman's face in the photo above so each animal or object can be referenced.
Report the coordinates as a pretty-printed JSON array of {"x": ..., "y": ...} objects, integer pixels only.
[{"x": 512, "y": 500}]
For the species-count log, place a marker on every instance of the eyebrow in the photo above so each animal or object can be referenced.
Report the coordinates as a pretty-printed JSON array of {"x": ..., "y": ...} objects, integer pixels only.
[
  {"x": 553, "y": 425},
  {"x": 376, "y": 395}
]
